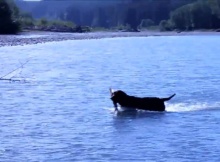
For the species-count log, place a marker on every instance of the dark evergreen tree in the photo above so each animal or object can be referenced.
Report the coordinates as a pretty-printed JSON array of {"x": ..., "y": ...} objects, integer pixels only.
[
  {"x": 131, "y": 19},
  {"x": 8, "y": 24}
]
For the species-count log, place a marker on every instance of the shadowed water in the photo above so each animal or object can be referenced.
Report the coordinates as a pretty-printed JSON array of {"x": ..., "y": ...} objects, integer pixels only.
[{"x": 63, "y": 112}]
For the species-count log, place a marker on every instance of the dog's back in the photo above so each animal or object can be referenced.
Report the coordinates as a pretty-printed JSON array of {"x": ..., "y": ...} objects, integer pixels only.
[{"x": 145, "y": 103}]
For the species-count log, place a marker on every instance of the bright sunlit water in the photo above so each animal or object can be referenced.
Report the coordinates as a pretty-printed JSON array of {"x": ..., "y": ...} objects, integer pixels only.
[{"x": 63, "y": 112}]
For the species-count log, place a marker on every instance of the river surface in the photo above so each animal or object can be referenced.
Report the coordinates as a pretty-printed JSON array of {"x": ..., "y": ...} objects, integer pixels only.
[{"x": 61, "y": 111}]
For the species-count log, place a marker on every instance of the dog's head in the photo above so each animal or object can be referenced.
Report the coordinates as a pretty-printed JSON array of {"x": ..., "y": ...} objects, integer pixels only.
[{"x": 118, "y": 95}]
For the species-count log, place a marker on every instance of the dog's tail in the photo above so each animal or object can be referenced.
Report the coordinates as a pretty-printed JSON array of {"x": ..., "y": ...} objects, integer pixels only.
[{"x": 168, "y": 98}]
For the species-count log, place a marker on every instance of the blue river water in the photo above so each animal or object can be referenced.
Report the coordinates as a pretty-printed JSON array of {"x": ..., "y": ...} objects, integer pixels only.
[{"x": 62, "y": 111}]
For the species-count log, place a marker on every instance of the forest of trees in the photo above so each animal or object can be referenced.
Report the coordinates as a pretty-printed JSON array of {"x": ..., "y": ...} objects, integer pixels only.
[
  {"x": 121, "y": 14},
  {"x": 131, "y": 13},
  {"x": 167, "y": 14}
]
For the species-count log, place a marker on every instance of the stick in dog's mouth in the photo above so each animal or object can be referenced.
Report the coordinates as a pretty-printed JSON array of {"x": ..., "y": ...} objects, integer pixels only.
[{"x": 111, "y": 91}]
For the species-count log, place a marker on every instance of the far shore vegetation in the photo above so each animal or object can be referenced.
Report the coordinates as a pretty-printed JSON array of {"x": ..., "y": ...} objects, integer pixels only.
[
  {"x": 134, "y": 15},
  {"x": 13, "y": 21}
]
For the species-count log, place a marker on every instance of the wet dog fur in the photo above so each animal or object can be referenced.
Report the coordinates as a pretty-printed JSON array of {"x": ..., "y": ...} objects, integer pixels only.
[{"x": 142, "y": 103}]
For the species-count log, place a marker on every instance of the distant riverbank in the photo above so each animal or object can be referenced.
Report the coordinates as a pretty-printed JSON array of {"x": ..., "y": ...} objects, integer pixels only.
[{"x": 35, "y": 37}]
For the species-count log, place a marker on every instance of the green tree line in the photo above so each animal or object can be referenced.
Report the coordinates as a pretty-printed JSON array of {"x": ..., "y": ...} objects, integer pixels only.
[
  {"x": 134, "y": 13},
  {"x": 167, "y": 14},
  {"x": 105, "y": 13}
]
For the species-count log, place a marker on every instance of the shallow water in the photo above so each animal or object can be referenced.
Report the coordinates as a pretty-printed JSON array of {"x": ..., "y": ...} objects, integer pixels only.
[{"x": 62, "y": 111}]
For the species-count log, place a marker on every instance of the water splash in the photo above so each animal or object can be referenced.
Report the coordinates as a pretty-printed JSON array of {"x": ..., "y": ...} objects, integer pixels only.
[
  {"x": 183, "y": 107},
  {"x": 180, "y": 107}
]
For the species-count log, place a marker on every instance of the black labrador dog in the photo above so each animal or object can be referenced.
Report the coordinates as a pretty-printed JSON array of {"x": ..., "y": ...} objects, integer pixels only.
[{"x": 145, "y": 103}]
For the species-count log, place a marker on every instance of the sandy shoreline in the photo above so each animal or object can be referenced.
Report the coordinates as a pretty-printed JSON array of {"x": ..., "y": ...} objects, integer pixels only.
[{"x": 42, "y": 37}]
